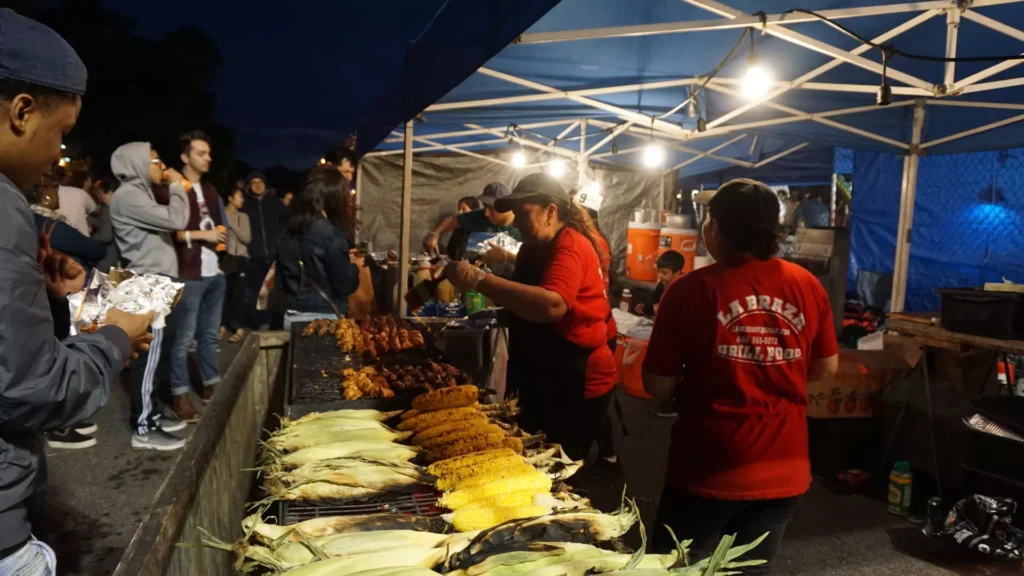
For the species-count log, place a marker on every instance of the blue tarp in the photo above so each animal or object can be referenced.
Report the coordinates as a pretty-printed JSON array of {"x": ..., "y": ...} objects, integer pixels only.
[
  {"x": 968, "y": 224},
  {"x": 619, "y": 61}
]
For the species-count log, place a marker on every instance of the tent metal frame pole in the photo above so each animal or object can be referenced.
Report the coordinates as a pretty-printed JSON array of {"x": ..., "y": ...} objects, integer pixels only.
[
  {"x": 996, "y": 85},
  {"x": 659, "y": 85},
  {"x": 997, "y": 68},
  {"x": 555, "y": 149},
  {"x": 973, "y": 131},
  {"x": 815, "y": 45},
  {"x": 744, "y": 21},
  {"x": 882, "y": 38},
  {"x": 952, "y": 28},
  {"x": 825, "y": 87},
  {"x": 437, "y": 147},
  {"x": 785, "y": 152},
  {"x": 461, "y": 151},
  {"x": 908, "y": 195},
  {"x": 610, "y": 108},
  {"x": 359, "y": 200},
  {"x": 483, "y": 130},
  {"x": 403, "y": 262},
  {"x": 705, "y": 154},
  {"x": 970, "y": 104},
  {"x": 611, "y": 136}
]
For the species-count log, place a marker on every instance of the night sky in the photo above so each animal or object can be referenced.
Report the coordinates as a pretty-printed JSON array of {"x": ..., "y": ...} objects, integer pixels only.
[{"x": 293, "y": 80}]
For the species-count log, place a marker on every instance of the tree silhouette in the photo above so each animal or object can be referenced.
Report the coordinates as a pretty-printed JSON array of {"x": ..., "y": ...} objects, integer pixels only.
[{"x": 139, "y": 88}]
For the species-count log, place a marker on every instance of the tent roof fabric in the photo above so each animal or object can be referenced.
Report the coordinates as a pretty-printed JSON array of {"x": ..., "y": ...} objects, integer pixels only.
[{"x": 677, "y": 59}]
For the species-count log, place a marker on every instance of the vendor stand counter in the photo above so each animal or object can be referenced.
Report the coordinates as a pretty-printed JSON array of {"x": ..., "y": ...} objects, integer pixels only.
[{"x": 934, "y": 338}]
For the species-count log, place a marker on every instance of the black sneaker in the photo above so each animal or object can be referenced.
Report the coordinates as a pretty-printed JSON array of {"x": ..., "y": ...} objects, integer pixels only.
[
  {"x": 87, "y": 428},
  {"x": 666, "y": 410},
  {"x": 157, "y": 440},
  {"x": 69, "y": 439},
  {"x": 169, "y": 423}
]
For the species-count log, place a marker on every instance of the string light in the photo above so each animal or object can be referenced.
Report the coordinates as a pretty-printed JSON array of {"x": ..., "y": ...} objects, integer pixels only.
[
  {"x": 323, "y": 161},
  {"x": 654, "y": 155},
  {"x": 757, "y": 80},
  {"x": 518, "y": 159},
  {"x": 557, "y": 167}
]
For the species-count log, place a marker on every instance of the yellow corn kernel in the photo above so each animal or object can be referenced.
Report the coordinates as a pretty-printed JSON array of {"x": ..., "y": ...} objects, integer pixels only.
[
  {"x": 536, "y": 481},
  {"x": 427, "y": 420},
  {"x": 457, "y": 435},
  {"x": 409, "y": 414},
  {"x": 444, "y": 398},
  {"x": 514, "y": 444},
  {"x": 492, "y": 475},
  {"x": 450, "y": 465},
  {"x": 442, "y": 429},
  {"x": 466, "y": 446},
  {"x": 520, "y": 498},
  {"x": 484, "y": 518},
  {"x": 453, "y": 476}
]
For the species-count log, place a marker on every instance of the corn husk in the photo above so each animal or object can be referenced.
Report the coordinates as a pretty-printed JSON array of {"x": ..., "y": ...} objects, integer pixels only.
[
  {"x": 328, "y": 525},
  {"x": 319, "y": 436},
  {"x": 353, "y": 543},
  {"x": 407, "y": 556},
  {"x": 350, "y": 414},
  {"x": 371, "y": 449}
]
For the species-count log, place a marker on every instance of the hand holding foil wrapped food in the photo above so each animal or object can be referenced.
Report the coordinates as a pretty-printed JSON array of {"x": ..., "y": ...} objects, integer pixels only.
[{"x": 121, "y": 290}]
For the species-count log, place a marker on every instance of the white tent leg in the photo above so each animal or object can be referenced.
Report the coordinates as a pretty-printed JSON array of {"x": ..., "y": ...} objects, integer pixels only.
[
  {"x": 403, "y": 254},
  {"x": 907, "y": 199}
]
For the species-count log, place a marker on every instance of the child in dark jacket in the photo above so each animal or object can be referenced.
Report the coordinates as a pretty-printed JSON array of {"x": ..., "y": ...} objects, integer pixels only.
[{"x": 670, "y": 266}]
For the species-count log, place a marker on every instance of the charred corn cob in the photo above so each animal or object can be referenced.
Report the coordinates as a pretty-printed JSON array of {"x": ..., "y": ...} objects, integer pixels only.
[
  {"x": 529, "y": 481},
  {"x": 482, "y": 428},
  {"x": 483, "y": 518},
  {"x": 496, "y": 474},
  {"x": 450, "y": 465},
  {"x": 454, "y": 397},
  {"x": 500, "y": 462},
  {"x": 466, "y": 446},
  {"x": 443, "y": 429},
  {"x": 409, "y": 414},
  {"x": 430, "y": 419}
]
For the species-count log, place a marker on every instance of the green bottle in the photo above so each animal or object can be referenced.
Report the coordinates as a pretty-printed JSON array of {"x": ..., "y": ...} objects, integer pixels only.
[{"x": 475, "y": 302}]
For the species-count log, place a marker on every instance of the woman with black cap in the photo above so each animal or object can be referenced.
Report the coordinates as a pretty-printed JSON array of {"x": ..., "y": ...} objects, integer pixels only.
[
  {"x": 735, "y": 344},
  {"x": 559, "y": 360}
]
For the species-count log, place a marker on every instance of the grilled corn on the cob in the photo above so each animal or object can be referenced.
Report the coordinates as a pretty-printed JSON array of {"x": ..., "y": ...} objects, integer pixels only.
[
  {"x": 462, "y": 498},
  {"x": 328, "y": 525},
  {"x": 466, "y": 445},
  {"x": 459, "y": 435},
  {"x": 513, "y": 470},
  {"x": 483, "y": 518},
  {"x": 367, "y": 414},
  {"x": 317, "y": 436},
  {"x": 442, "y": 429},
  {"x": 504, "y": 500},
  {"x": 450, "y": 465},
  {"x": 454, "y": 397},
  {"x": 498, "y": 462},
  {"x": 375, "y": 450},
  {"x": 426, "y": 420}
]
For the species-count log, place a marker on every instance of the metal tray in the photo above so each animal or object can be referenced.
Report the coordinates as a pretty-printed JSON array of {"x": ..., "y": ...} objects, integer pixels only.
[{"x": 420, "y": 503}]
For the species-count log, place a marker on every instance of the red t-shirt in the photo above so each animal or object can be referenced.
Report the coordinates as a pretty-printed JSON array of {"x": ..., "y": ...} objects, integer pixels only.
[
  {"x": 604, "y": 254},
  {"x": 572, "y": 269},
  {"x": 740, "y": 335}
]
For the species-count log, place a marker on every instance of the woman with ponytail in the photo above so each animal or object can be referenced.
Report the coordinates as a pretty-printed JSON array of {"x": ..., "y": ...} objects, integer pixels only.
[
  {"x": 559, "y": 360},
  {"x": 735, "y": 344}
]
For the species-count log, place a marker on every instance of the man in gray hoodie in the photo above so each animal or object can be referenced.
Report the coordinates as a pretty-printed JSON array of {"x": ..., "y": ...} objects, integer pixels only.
[
  {"x": 45, "y": 384},
  {"x": 143, "y": 229}
]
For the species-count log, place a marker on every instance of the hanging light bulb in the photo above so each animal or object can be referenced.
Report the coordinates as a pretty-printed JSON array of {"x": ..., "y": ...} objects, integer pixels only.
[
  {"x": 654, "y": 155},
  {"x": 63, "y": 147},
  {"x": 323, "y": 161},
  {"x": 557, "y": 167},
  {"x": 691, "y": 109},
  {"x": 757, "y": 79},
  {"x": 518, "y": 159}
]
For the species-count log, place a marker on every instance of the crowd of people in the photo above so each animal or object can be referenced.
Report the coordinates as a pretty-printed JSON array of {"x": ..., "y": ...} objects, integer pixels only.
[{"x": 732, "y": 348}]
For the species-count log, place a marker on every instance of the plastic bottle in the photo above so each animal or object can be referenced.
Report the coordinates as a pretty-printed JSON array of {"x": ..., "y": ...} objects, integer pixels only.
[
  {"x": 901, "y": 481},
  {"x": 222, "y": 247},
  {"x": 936, "y": 519},
  {"x": 626, "y": 300}
]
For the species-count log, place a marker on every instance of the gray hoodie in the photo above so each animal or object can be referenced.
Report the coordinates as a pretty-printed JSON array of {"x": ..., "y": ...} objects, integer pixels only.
[{"x": 141, "y": 226}]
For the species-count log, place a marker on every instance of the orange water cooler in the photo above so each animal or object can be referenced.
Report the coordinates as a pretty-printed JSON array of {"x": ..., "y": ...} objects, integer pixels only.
[
  {"x": 682, "y": 240},
  {"x": 642, "y": 239}
]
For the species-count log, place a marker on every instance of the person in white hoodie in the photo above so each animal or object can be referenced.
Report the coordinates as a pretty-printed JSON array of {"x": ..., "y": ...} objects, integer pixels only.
[{"x": 143, "y": 230}]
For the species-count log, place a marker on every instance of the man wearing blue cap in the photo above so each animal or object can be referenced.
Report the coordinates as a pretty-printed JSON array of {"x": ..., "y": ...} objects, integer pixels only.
[
  {"x": 486, "y": 219},
  {"x": 45, "y": 384}
]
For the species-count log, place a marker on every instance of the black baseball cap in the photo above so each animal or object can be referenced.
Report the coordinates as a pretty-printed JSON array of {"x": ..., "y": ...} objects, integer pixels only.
[
  {"x": 537, "y": 184},
  {"x": 744, "y": 204},
  {"x": 33, "y": 53},
  {"x": 492, "y": 193}
]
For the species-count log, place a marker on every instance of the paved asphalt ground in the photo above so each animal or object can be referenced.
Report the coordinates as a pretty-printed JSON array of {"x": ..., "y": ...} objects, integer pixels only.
[{"x": 98, "y": 496}]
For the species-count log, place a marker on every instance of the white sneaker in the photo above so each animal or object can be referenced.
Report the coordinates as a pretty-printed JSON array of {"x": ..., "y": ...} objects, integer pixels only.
[
  {"x": 86, "y": 428},
  {"x": 168, "y": 424},
  {"x": 157, "y": 440}
]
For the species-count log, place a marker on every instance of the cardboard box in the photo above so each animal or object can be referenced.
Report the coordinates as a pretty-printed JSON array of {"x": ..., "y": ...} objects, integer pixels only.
[{"x": 861, "y": 375}]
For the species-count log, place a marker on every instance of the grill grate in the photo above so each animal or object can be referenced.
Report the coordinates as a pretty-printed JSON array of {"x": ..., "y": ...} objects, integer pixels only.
[{"x": 420, "y": 504}]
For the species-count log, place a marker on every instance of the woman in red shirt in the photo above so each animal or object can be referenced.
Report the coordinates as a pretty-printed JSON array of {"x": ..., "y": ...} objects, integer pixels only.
[
  {"x": 559, "y": 361},
  {"x": 735, "y": 343}
]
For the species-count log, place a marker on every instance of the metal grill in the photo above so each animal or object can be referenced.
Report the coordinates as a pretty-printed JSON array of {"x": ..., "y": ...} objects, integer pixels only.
[{"x": 420, "y": 504}]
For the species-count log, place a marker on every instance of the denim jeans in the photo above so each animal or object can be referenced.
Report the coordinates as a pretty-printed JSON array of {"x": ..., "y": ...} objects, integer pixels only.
[
  {"x": 34, "y": 559},
  {"x": 198, "y": 316}
]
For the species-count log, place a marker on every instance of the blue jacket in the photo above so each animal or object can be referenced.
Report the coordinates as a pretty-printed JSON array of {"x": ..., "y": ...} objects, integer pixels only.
[
  {"x": 324, "y": 251},
  {"x": 65, "y": 238}
]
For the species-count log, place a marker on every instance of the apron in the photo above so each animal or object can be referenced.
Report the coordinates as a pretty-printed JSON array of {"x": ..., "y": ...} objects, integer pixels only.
[{"x": 548, "y": 372}]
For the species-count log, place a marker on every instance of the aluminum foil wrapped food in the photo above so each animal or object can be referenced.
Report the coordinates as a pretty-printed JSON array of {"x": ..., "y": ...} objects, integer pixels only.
[
  {"x": 136, "y": 294},
  {"x": 481, "y": 242}
]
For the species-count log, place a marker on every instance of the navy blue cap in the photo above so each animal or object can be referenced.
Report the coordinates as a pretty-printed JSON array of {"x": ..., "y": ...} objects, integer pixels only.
[
  {"x": 493, "y": 192},
  {"x": 32, "y": 53}
]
